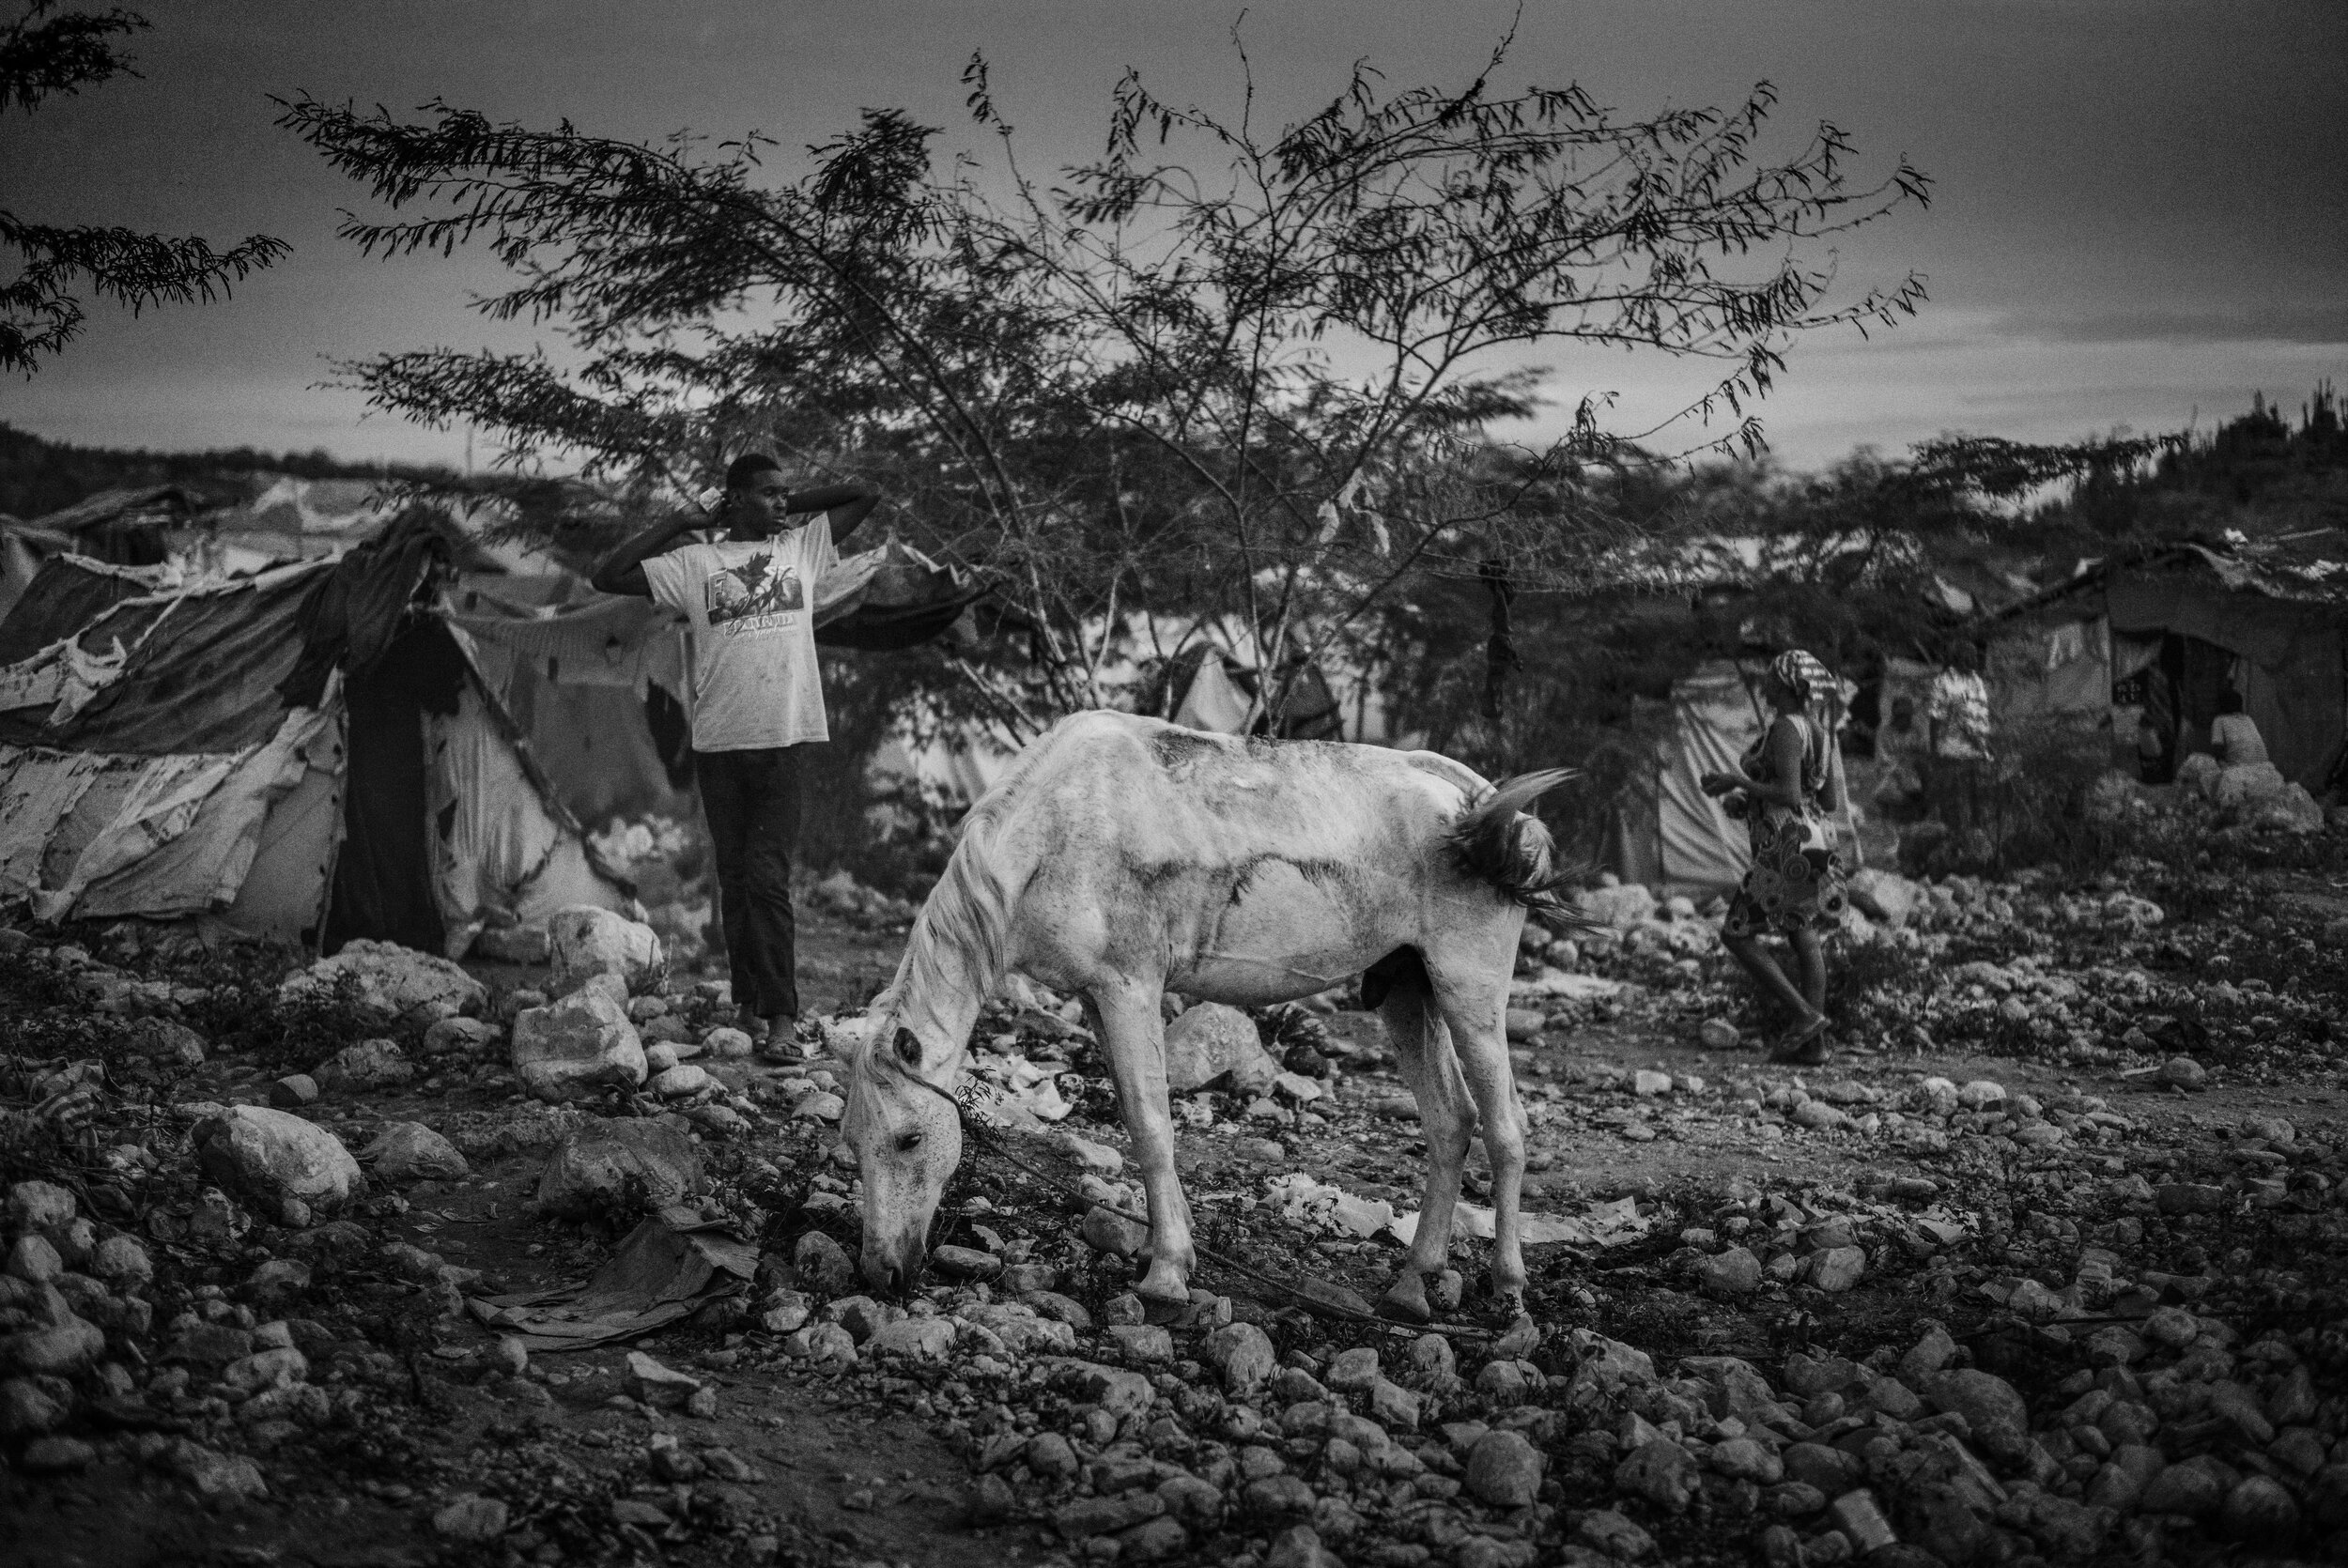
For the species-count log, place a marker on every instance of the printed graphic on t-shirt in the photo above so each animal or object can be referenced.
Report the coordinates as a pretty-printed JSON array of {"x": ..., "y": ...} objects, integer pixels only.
[{"x": 755, "y": 596}]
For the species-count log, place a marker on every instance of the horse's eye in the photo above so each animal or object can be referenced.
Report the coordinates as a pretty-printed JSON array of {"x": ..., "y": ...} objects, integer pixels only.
[{"x": 908, "y": 1143}]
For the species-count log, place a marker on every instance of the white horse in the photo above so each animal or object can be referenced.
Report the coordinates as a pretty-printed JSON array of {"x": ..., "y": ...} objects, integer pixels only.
[{"x": 1122, "y": 857}]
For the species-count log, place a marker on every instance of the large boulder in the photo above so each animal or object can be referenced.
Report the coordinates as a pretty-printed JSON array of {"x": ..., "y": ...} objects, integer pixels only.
[
  {"x": 393, "y": 982},
  {"x": 1210, "y": 1042},
  {"x": 275, "y": 1158},
  {"x": 620, "y": 1166},
  {"x": 583, "y": 940},
  {"x": 575, "y": 1048}
]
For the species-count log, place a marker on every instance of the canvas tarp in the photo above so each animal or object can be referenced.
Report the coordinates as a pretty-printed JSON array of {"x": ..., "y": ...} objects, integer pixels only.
[
  {"x": 86, "y": 835},
  {"x": 187, "y": 784},
  {"x": 495, "y": 847},
  {"x": 1665, "y": 832},
  {"x": 2052, "y": 671},
  {"x": 1714, "y": 720}
]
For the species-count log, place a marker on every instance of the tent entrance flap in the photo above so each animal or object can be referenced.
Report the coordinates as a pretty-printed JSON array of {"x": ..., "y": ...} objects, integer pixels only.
[{"x": 383, "y": 878}]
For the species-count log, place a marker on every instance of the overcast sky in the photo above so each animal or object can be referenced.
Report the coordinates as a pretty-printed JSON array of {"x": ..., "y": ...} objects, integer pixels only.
[{"x": 2140, "y": 211}]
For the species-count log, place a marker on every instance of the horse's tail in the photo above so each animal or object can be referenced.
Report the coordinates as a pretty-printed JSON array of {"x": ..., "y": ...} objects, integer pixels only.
[{"x": 1498, "y": 842}]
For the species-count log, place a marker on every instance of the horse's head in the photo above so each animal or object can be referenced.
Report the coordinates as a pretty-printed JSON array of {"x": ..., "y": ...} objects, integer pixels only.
[{"x": 907, "y": 1138}]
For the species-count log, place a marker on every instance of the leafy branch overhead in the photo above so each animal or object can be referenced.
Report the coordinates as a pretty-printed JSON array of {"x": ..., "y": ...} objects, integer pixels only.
[
  {"x": 43, "y": 54},
  {"x": 1252, "y": 375}
]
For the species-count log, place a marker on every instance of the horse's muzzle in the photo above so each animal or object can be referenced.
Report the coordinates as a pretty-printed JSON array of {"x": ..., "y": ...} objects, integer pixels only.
[{"x": 894, "y": 1269}]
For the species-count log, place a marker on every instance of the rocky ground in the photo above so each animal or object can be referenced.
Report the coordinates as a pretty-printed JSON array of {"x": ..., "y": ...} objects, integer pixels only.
[{"x": 401, "y": 1264}]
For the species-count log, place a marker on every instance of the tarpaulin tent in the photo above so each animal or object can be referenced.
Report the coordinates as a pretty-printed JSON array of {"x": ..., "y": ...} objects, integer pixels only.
[
  {"x": 2191, "y": 621},
  {"x": 307, "y": 755},
  {"x": 1665, "y": 832}
]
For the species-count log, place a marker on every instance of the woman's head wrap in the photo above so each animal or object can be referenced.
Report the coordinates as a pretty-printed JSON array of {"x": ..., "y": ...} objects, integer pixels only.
[{"x": 1805, "y": 676}]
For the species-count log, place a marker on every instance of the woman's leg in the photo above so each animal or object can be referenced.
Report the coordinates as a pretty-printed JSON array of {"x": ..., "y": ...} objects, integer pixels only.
[
  {"x": 1812, "y": 952},
  {"x": 1757, "y": 962}
]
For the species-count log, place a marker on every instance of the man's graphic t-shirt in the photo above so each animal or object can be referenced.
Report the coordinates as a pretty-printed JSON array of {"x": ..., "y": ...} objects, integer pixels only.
[{"x": 752, "y": 605}]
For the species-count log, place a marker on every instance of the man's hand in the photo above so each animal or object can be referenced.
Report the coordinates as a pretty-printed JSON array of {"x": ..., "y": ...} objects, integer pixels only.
[{"x": 1718, "y": 783}]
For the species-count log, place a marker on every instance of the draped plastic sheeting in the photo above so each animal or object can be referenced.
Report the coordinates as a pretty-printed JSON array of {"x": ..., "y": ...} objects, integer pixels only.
[
  {"x": 495, "y": 845},
  {"x": 89, "y": 834},
  {"x": 1714, "y": 720},
  {"x": 2053, "y": 672},
  {"x": 283, "y": 898}
]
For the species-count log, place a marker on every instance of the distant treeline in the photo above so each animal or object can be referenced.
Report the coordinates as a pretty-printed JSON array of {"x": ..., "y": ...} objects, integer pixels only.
[{"x": 38, "y": 476}]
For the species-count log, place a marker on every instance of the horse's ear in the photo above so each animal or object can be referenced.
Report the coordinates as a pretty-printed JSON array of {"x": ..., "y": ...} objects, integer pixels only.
[{"x": 909, "y": 1047}]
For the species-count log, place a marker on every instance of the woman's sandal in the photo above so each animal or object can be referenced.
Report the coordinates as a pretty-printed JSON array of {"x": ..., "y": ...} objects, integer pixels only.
[{"x": 1808, "y": 1048}]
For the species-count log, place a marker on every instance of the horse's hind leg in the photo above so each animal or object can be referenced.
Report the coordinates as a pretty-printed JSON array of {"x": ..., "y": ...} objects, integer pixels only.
[
  {"x": 1133, "y": 1035},
  {"x": 1446, "y": 1117},
  {"x": 1473, "y": 1007}
]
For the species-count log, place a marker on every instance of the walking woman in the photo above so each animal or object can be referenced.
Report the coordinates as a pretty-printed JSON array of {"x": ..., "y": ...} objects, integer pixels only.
[{"x": 1782, "y": 788}]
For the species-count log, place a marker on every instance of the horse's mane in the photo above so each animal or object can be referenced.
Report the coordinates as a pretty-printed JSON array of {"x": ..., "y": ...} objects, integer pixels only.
[{"x": 963, "y": 934}]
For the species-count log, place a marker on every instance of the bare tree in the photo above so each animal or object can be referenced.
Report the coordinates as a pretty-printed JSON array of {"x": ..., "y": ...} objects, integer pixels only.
[{"x": 1219, "y": 369}]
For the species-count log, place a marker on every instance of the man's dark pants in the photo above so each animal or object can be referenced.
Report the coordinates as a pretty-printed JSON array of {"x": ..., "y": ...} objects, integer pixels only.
[{"x": 751, "y": 799}]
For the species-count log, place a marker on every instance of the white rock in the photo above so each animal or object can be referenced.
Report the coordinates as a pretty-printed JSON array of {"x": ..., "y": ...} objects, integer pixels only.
[
  {"x": 679, "y": 1080},
  {"x": 410, "y": 1151},
  {"x": 651, "y": 1160},
  {"x": 726, "y": 1042},
  {"x": 391, "y": 980},
  {"x": 274, "y": 1156},
  {"x": 584, "y": 940},
  {"x": 575, "y": 1047},
  {"x": 1211, "y": 1041}
]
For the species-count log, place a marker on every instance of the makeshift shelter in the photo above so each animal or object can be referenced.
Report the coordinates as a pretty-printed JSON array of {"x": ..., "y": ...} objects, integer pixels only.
[
  {"x": 2173, "y": 631},
  {"x": 307, "y": 755},
  {"x": 1665, "y": 832}
]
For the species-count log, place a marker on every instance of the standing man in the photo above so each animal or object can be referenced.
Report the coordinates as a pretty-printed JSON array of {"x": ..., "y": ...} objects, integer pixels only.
[
  {"x": 1959, "y": 712},
  {"x": 758, "y": 697}
]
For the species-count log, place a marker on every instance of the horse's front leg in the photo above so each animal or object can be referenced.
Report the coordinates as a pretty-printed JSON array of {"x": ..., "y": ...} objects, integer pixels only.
[
  {"x": 1477, "y": 1036},
  {"x": 1132, "y": 1033},
  {"x": 1446, "y": 1118}
]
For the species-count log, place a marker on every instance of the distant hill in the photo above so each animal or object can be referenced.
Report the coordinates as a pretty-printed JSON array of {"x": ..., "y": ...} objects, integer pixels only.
[{"x": 40, "y": 476}]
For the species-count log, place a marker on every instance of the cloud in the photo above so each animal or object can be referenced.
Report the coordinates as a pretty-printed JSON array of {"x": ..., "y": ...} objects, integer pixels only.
[{"x": 2304, "y": 321}]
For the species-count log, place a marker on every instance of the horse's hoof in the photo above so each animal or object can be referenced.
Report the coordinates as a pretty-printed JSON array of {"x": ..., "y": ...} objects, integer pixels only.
[
  {"x": 1405, "y": 1301},
  {"x": 1163, "y": 1290},
  {"x": 1164, "y": 1311},
  {"x": 1523, "y": 1337}
]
